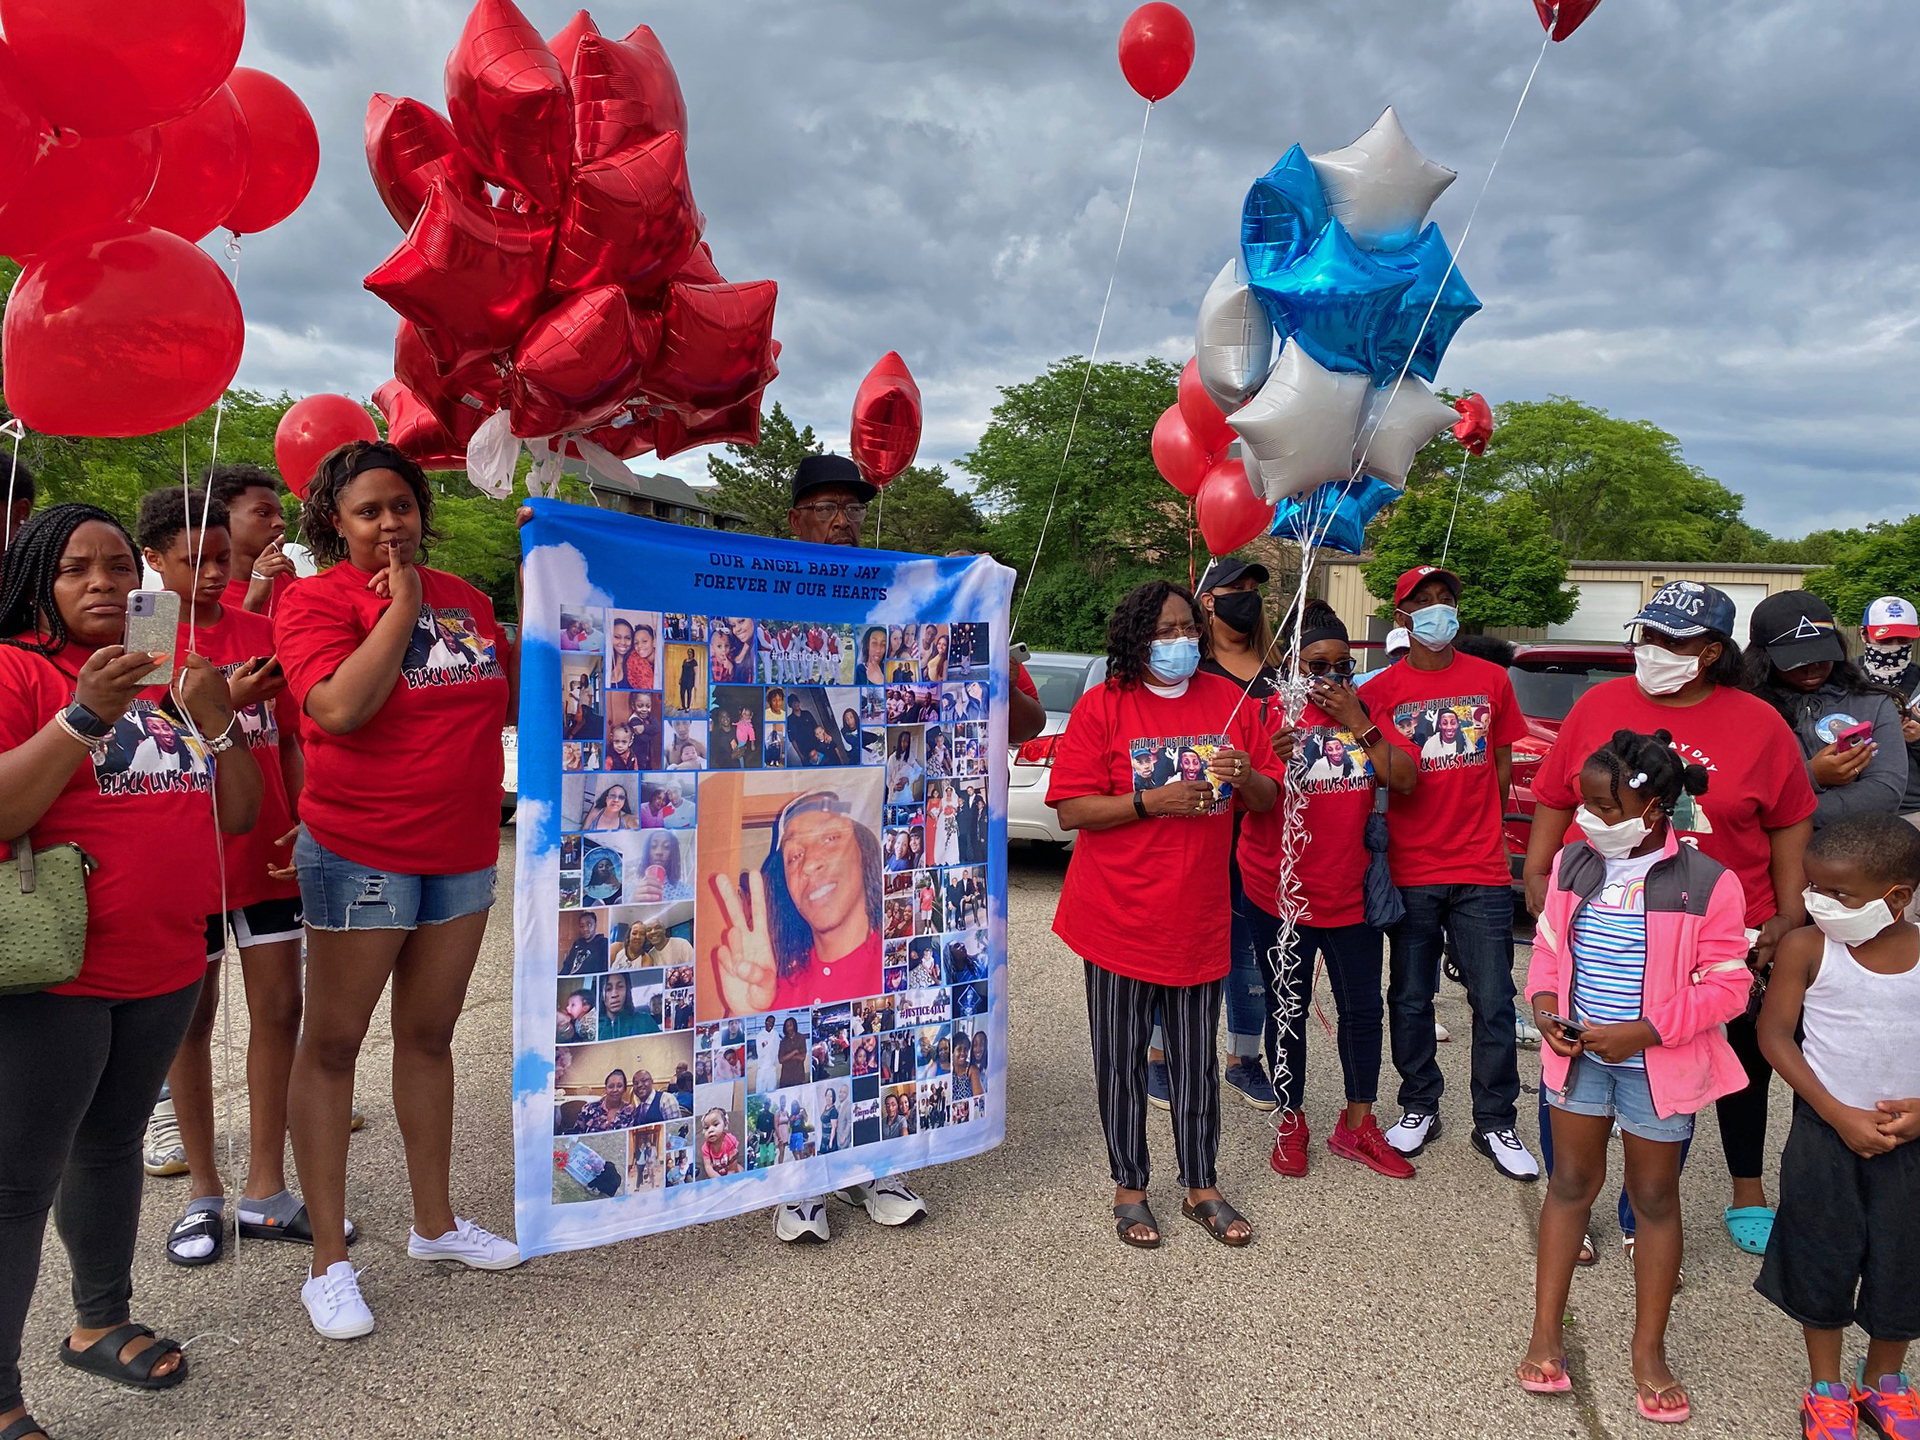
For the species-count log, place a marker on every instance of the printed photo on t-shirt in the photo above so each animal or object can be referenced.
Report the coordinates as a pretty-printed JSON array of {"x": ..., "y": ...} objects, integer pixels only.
[
  {"x": 151, "y": 752},
  {"x": 1332, "y": 760},
  {"x": 1449, "y": 734},
  {"x": 1161, "y": 760},
  {"x": 446, "y": 648}
]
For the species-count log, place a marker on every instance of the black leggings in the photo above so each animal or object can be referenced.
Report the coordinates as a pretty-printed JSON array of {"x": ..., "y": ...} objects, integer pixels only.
[
  {"x": 78, "y": 1078},
  {"x": 1743, "y": 1114}
]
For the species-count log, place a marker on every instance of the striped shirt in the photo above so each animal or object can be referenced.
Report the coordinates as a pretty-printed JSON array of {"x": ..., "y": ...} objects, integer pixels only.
[{"x": 1609, "y": 943}]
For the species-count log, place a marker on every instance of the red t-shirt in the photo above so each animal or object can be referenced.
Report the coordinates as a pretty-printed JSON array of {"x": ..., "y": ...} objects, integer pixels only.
[
  {"x": 416, "y": 790},
  {"x": 236, "y": 638},
  {"x": 1023, "y": 682},
  {"x": 1337, "y": 783},
  {"x": 853, "y": 976},
  {"x": 1451, "y": 720},
  {"x": 1756, "y": 779},
  {"x": 235, "y": 597},
  {"x": 144, "y": 813},
  {"x": 1148, "y": 899}
]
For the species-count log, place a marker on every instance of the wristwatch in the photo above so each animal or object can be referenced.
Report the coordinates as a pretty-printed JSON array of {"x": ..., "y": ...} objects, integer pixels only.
[
  {"x": 1370, "y": 737},
  {"x": 1139, "y": 805},
  {"x": 87, "y": 725}
]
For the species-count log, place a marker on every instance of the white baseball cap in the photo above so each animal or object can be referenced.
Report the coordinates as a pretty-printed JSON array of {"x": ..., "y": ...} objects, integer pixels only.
[
  {"x": 1399, "y": 639},
  {"x": 1891, "y": 618}
]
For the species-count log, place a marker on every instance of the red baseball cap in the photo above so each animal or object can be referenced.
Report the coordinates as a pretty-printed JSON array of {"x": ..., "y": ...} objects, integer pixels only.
[{"x": 1419, "y": 575}]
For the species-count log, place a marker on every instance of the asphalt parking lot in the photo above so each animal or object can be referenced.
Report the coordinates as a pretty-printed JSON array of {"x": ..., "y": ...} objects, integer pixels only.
[{"x": 1366, "y": 1307}]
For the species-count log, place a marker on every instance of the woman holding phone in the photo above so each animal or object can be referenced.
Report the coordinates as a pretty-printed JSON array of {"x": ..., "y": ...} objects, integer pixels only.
[
  {"x": 397, "y": 848},
  {"x": 81, "y": 1063}
]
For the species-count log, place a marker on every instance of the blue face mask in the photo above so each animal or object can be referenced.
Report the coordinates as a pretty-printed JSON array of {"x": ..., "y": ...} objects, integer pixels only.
[
  {"x": 1174, "y": 660},
  {"x": 1435, "y": 626}
]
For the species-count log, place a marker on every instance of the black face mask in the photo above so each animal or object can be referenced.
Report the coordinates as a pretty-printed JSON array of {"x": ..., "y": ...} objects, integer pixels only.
[{"x": 1238, "y": 610}]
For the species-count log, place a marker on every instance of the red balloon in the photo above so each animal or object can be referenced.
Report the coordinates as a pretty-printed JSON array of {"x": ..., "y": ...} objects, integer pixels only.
[
  {"x": 286, "y": 152},
  {"x": 1156, "y": 49},
  {"x": 109, "y": 67},
  {"x": 1203, "y": 417},
  {"x": 127, "y": 333},
  {"x": 509, "y": 102},
  {"x": 1230, "y": 514},
  {"x": 313, "y": 428},
  {"x": 472, "y": 382},
  {"x": 630, "y": 220},
  {"x": 1181, "y": 460},
  {"x": 733, "y": 425},
  {"x": 718, "y": 346},
  {"x": 204, "y": 159},
  {"x": 579, "y": 364},
  {"x": 1475, "y": 426},
  {"x": 22, "y": 128},
  {"x": 700, "y": 269},
  {"x": 1564, "y": 18},
  {"x": 624, "y": 91},
  {"x": 409, "y": 146},
  {"x": 886, "y": 420},
  {"x": 78, "y": 188},
  {"x": 418, "y": 433},
  {"x": 471, "y": 276}
]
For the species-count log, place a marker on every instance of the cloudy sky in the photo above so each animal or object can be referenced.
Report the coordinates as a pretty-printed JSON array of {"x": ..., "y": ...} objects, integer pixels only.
[{"x": 1705, "y": 217}]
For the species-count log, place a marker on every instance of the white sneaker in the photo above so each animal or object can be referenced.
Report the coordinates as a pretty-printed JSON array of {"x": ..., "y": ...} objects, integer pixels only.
[
  {"x": 334, "y": 1305},
  {"x": 1525, "y": 1032},
  {"x": 802, "y": 1222},
  {"x": 1411, "y": 1132},
  {"x": 1440, "y": 1032},
  {"x": 164, "y": 1153},
  {"x": 468, "y": 1243},
  {"x": 888, "y": 1201},
  {"x": 1509, "y": 1154}
]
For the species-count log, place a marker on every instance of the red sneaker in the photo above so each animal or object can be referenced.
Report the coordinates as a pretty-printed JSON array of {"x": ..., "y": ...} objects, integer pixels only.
[
  {"x": 1370, "y": 1148},
  {"x": 1289, "y": 1156}
]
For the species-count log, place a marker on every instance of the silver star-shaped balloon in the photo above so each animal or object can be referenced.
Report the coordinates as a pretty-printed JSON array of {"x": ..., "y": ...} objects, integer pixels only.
[
  {"x": 1381, "y": 186},
  {"x": 1233, "y": 342},
  {"x": 1398, "y": 420},
  {"x": 1300, "y": 427}
]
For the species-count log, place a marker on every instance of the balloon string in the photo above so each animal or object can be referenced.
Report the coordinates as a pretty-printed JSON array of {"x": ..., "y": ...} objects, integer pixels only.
[
  {"x": 879, "y": 514},
  {"x": 14, "y": 428},
  {"x": 1193, "y": 580},
  {"x": 1086, "y": 378},
  {"x": 1465, "y": 456}
]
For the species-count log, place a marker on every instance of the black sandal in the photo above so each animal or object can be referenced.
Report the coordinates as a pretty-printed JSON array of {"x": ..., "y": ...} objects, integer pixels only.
[
  {"x": 19, "y": 1430},
  {"x": 298, "y": 1230},
  {"x": 198, "y": 1225},
  {"x": 1127, "y": 1216},
  {"x": 1216, "y": 1217},
  {"x": 102, "y": 1358}
]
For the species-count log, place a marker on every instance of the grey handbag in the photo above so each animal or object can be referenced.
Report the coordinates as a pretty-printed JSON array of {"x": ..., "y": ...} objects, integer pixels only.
[
  {"x": 1384, "y": 907},
  {"x": 43, "y": 916}
]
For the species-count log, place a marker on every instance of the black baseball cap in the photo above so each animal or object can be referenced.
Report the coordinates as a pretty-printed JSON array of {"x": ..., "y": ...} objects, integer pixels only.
[
  {"x": 1795, "y": 628},
  {"x": 816, "y": 472},
  {"x": 1228, "y": 569}
]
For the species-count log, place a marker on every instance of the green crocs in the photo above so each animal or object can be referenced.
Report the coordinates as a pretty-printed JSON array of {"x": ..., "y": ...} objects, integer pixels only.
[{"x": 1750, "y": 1227}]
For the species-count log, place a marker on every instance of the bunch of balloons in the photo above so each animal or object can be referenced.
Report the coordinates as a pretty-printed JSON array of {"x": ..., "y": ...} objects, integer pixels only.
[
  {"x": 1315, "y": 343},
  {"x": 553, "y": 287},
  {"x": 126, "y": 135}
]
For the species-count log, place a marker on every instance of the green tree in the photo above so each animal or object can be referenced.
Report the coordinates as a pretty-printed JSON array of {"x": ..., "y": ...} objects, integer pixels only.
[
  {"x": 757, "y": 482},
  {"x": 921, "y": 513},
  {"x": 1515, "y": 570},
  {"x": 1114, "y": 521},
  {"x": 1884, "y": 560}
]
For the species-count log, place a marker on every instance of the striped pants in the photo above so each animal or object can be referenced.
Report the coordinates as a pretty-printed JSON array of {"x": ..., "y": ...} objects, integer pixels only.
[{"x": 1120, "y": 1015}]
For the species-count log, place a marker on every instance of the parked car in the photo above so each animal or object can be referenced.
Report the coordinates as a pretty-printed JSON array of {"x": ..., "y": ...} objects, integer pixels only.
[
  {"x": 1547, "y": 678},
  {"x": 510, "y": 746},
  {"x": 1061, "y": 679}
]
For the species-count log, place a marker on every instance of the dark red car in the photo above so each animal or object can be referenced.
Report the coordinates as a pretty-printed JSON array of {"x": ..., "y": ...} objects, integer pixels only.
[{"x": 1547, "y": 678}]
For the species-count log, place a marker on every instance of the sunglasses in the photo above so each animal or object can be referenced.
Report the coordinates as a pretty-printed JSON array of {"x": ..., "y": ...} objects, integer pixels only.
[{"x": 1341, "y": 668}]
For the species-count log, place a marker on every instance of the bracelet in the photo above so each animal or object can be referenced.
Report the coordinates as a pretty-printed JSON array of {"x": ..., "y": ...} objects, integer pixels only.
[
  {"x": 96, "y": 748},
  {"x": 223, "y": 742},
  {"x": 258, "y": 576},
  {"x": 1139, "y": 805}
]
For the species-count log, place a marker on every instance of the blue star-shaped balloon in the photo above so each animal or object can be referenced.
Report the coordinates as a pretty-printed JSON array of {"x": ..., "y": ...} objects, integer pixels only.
[
  {"x": 1334, "y": 520},
  {"x": 1334, "y": 300},
  {"x": 1284, "y": 210},
  {"x": 1426, "y": 263}
]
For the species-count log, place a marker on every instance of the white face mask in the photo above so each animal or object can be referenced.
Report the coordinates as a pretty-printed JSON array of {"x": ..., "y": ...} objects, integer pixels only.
[
  {"x": 1848, "y": 926},
  {"x": 1613, "y": 842},
  {"x": 1661, "y": 672}
]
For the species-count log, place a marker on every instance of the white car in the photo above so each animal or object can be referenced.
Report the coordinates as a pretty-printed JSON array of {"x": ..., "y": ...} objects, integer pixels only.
[
  {"x": 510, "y": 746},
  {"x": 1061, "y": 680}
]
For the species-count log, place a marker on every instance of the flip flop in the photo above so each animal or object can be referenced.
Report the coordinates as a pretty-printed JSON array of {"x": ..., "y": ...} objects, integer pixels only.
[
  {"x": 1125, "y": 1217},
  {"x": 1673, "y": 1415},
  {"x": 1587, "y": 1255},
  {"x": 26, "y": 1425},
  {"x": 1750, "y": 1227},
  {"x": 296, "y": 1230},
  {"x": 1558, "y": 1385},
  {"x": 1216, "y": 1217},
  {"x": 197, "y": 1225},
  {"x": 102, "y": 1358}
]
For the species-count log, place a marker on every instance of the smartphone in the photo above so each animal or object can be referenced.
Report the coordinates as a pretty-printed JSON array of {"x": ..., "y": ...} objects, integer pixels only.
[
  {"x": 153, "y": 625},
  {"x": 1572, "y": 1029},
  {"x": 1853, "y": 737},
  {"x": 1019, "y": 651}
]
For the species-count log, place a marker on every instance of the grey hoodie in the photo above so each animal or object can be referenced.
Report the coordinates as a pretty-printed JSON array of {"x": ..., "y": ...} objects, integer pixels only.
[{"x": 1878, "y": 789}]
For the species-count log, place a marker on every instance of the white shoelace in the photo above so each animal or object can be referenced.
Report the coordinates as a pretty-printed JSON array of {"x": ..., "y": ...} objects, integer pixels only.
[{"x": 338, "y": 1290}]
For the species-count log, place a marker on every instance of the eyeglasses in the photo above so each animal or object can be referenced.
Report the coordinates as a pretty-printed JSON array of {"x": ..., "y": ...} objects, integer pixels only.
[
  {"x": 854, "y": 510},
  {"x": 1177, "y": 632},
  {"x": 1341, "y": 668}
]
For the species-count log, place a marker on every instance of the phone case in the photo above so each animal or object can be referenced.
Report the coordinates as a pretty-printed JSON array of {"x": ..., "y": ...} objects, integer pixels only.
[{"x": 153, "y": 625}]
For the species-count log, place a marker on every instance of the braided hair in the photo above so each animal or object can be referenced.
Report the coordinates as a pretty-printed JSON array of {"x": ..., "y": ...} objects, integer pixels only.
[
  {"x": 1131, "y": 626},
  {"x": 27, "y": 575},
  {"x": 1645, "y": 763},
  {"x": 335, "y": 473}
]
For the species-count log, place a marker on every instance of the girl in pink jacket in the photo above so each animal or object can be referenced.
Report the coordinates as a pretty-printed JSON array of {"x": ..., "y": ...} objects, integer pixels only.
[{"x": 1639, "y": 959}]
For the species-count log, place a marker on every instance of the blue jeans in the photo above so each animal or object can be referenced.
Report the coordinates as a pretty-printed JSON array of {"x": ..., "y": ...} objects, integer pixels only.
[
  {"x": 1249, "y": 1010},
  {"x": 1352, "y": 954},
  {"x": 1476, "y": 922},
  {"x": 341, "y": 894},
  {"x": 1628, "y": 1222}
]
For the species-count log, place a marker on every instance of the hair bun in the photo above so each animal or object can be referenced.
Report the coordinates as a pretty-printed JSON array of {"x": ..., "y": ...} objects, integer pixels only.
[
  {"x": 1694, "y": 777},
  {"x": 1665, "y": 737}
]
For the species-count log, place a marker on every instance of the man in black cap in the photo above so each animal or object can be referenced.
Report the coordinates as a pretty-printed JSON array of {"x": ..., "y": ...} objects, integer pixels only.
[{"x": 830, "y": 499}]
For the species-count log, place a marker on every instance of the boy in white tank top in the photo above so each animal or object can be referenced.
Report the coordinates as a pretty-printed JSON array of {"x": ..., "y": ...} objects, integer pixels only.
[{"x": 1846, "y": 1243}]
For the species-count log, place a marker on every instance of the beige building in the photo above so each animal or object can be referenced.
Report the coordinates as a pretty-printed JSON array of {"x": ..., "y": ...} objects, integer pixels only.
[{"x": 1610, "y": 591}]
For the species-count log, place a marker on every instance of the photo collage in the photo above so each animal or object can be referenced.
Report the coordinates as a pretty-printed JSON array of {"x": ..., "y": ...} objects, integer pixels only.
[{"x": 773, "y": 939}]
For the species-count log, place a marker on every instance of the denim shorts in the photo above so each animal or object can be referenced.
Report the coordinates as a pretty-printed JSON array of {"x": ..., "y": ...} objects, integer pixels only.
[
  {"x": 1620, "y": 1091},
  {"x": 338, "y": 894}
]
